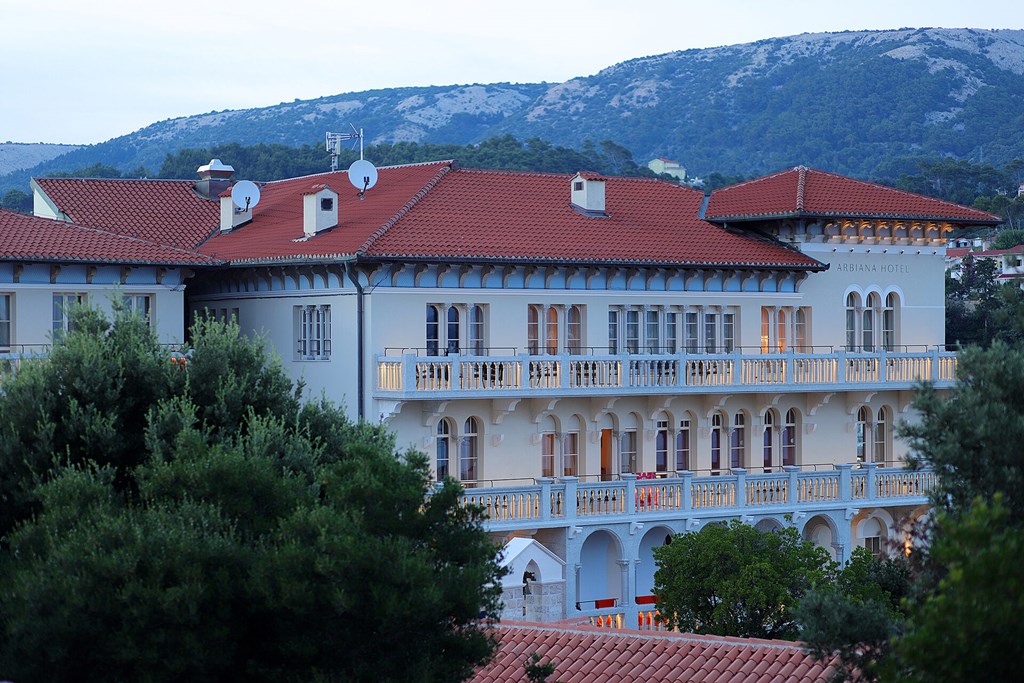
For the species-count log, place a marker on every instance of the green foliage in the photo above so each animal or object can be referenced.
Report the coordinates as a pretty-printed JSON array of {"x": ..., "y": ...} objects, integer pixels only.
[
  {"x": 536, "y": 672},
  {"x": 274, "y": 162},
  {"x": 980, "y": 310},
  {"x": 202, "y": 524},
  {"x": 735, "y": 580},
  {"x": 16, "y": 200},
  {"x": 101, "y": 170},
  {"x": 1007, "y": 239},
  {"x": 970, "y": 436},
  {"x": 855, "y": 617},
  {"x": 970, "y": 626}
]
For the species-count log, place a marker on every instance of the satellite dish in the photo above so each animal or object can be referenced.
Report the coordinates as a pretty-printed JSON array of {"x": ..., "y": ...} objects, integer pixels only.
[
  {"x": 362, "y": 174},
  {"x": 245, "y": 194}
]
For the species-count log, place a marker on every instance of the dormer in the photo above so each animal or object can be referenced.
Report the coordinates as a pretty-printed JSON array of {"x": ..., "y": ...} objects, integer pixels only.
[
  {"x": 319, "y": 209},
  {"x": 587, "y": 194},
  {"x": 232, "y": 216}
]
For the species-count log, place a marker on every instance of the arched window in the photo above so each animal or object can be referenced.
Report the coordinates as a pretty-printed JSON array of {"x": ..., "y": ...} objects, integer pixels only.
[
  {"x": 476, "y": 331},
  {"x": 551, "y": 330},
  {"x": 789, "y": 438},
  {"x": 683, "y": 446},
  {"x": 549, "y": 443},
  {"x": 433, "y": 331},
  {"x": 889, "y": 321},
  {"x": 574, "y": 329},
  {"x": 863, "y": 434},
  {"x": 739, "y": 441},
  {"x": 468, "y": 453},
  {"x": 571, "y": 448},
  {"x": 533, "y": 330},
  {"x": 766, "y": 330},
  {"x": 882, "y": 427},
  {"x": 453, "y": 329},
  {"x": 868, "y": 317},
  {"x": 768, "y": 441},
  {"x": 716, "y": 443},
  {"x": 443, "y": 449},
  {"x": 852, "y": 303},
  {"x": 627, "y": 448},
  {"x": 661, "y": 441}
]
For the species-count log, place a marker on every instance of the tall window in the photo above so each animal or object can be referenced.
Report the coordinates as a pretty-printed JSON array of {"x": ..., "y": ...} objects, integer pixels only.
[
  {"x": 863, "y": 433},
  {"x": 716, "y": 443},
  {"x": 728, "y": 332},
  {"x": 570, "y": 453},
  {"x": 781, "y": 329},
  {"x": 683, "y": 446},
  {"x": 661, "y": 441},
  {"x": 443, "y": 449},
  {"x": 653, "y": 336},
  {"x": 551, "y": 330},
  {"x": 881, "y": 435},
  {"x": 548, "y": 446},
  {"x": 453, "y": 330},
  {"x": 313, "y": 338},
  {"x": 800, "y": 330},
  {"x": 711, "y": 332},
  {"x": 632, "y": 331},
  {"x": 889, "y": 322},
  {"x": 468, "y": 455},
  {"x": 533, "y": 330},
  {"x": 574, "y": 329},
  {"x": 613, "y": 332},
  {"x": 671, "y": 332},
  {"x": 766, "y": 330},
  {"x": 789, "y": 436},
  {"x": 476, "y": 331},
  {"x": 868, "y": 316},
  {"x": 768, "y": 441},
  {"x": 852, "y": 304},
  {"x": 5, "y": 321},
  {"x": 138, "y": 304},
  {"x": 692, "y": 332},
  {"x": 739, "y": 441},
  {"x": 62, "y": 305},
  {"x": 433, "y": 331},
  {"x": 627, "y": 451}
]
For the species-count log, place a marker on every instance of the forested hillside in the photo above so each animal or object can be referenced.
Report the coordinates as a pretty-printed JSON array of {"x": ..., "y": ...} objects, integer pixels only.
[{"x": 867, "y": 104}]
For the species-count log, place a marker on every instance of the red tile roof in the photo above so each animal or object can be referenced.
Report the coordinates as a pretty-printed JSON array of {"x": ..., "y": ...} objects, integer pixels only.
[
  {"x": 164, "y": 211},
  {"x": 505, "y": 215},
  {"x": 433, "y": 211},
  {"x": 27, "y": 238},
  {"x": 586, "y": 654},
  {"x": 805, "y": 191}
]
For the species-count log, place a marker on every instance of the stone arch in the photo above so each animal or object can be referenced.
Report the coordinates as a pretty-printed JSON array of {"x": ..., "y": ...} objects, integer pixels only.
[
  {"x": 769, "y": 524},
  {"x": 821, "y": 531},
  {"x": 600, "y": 574},
  {"x": 655, "y": 537}
]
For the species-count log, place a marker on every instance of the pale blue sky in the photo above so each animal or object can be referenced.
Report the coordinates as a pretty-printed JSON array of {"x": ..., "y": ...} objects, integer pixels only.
[{"x": 84, "y": 71}]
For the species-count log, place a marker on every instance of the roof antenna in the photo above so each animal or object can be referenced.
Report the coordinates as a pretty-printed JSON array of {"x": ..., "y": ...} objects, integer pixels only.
[{"x": 334, "y": 141}]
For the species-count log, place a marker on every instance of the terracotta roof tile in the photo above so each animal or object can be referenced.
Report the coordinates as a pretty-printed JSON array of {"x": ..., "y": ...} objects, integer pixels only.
[
  {"x": 25, "y": 237},
  {"x": 810, "y": 192},
  {"x": 582, "y": 653},
  {"x": 163, "y": 211}
]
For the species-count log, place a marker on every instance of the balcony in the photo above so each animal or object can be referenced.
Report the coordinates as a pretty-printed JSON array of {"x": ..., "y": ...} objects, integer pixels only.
[
  {"x": 569, "y": 502},
  {"x": 409, "y": 376}
]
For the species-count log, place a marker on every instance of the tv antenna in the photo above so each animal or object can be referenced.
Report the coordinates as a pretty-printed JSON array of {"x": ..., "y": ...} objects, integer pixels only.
[
  {"x": 245, "y": 195},
  {"x": 334, "y": 141}
]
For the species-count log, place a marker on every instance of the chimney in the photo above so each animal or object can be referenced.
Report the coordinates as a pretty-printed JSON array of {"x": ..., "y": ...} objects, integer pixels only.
[
  {"x": 232, "y": 216},
  {"x": 214, "y": 178},
  {"x": 587, "y": 195},
  {"x": 319, "y": 209}
]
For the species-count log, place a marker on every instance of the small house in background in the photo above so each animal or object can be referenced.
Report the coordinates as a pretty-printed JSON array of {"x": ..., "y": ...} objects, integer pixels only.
[{"x": 667, "y": 166}]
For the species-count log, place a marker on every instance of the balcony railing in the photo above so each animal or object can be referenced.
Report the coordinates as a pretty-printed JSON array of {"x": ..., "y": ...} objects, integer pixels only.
[
  {"x": 412, "y": 376},
  {"x": 568, "y": 501}
]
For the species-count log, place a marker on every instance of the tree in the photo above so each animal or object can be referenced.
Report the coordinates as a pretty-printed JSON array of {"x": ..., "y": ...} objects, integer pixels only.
[
  {"x": 1007, "y": 239},
  {"x": 264, "y": 539},
  {"x": 734, "y": 580},
  {"x": 855, "y": 617},
  {"x": 970, "y": 626},
  {"x": 16, "y": 200},
  {"x": 970, "y": 436}
]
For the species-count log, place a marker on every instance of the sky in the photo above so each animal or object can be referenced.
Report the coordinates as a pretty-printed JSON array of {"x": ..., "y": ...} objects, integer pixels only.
[{"x": 85, "y": 71}]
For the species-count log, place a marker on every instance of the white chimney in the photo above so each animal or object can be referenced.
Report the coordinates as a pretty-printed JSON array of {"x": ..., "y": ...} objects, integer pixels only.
[
  {"x": 587, "y": 194},
  {"x": 214, "y": 178},
  {"x": 319, "y": 209},
  {"x": 232, "y": 216}
]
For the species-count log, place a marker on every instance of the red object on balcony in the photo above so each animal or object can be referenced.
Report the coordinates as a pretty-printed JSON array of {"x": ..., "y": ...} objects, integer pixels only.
[
  {"x": 601, "y": 604},
  {"x": 646, "y": 599}
]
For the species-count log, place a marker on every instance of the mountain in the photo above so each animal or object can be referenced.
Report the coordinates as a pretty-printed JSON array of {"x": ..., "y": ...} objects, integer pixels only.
[
  {"x": 15, "y": 156},
  {"x": 863, "y": 103}
]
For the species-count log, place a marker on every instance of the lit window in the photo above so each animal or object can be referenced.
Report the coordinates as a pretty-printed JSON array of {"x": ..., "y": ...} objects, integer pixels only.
[
  {"x": 551, "y": 330},
  {"x": 313, "y": 332},
  {"x": 533, "y": 330},
  {"x": 574, "y": 330}
]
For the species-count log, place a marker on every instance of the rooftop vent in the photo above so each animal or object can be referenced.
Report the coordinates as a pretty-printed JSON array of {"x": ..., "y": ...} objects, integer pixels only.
[
  {"x": 319, "y": 209},
  {"x": 214, "y": 178},
  {"x": 587, "y": 195}
]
